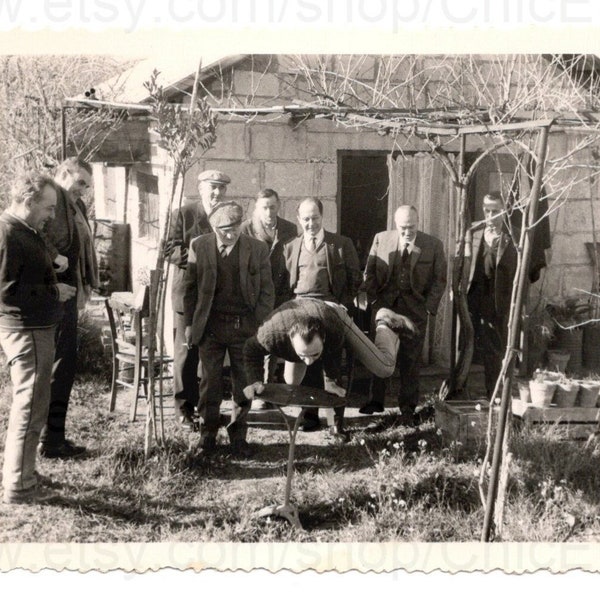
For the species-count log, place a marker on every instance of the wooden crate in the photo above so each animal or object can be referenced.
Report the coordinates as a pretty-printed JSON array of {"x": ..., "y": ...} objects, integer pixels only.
[
  {"x": 463, "y": 423},
  {"x": 572, "y": 423}
]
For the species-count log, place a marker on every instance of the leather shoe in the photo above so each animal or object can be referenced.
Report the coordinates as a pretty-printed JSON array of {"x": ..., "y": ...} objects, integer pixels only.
[
  {"x": 32, "y": 495},
  {"x": 241, "y": 448},
  {"x": 309, "y": 425},
  {"x": 187, "y": 423},
  {"x": 370, "y": 408},
  {"x": 63, "y": 451},
  {"x": 208, "y": 444}
]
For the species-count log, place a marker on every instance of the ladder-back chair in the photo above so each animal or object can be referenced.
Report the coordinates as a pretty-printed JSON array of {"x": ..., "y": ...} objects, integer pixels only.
[{"x": 129, "y": 342}]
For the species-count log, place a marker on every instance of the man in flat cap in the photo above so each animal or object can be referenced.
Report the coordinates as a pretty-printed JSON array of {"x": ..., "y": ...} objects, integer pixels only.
[
  {"x": 228, "y": 292},
  {"x": 188, "y": 222}
]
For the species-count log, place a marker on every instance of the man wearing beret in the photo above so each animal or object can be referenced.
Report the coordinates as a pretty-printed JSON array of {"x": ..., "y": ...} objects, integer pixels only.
[
  {"x": 188, "y": 222},
  {"x": 228, "y": 292}
]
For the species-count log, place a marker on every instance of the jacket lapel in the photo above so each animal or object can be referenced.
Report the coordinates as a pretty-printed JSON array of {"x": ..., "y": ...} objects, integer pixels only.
[
  {"x": 329, "y": 254},
  {"x": 297, "y": 244},
  {"x": 475, "y": 246},
  {"x": 245, "y": 251}
]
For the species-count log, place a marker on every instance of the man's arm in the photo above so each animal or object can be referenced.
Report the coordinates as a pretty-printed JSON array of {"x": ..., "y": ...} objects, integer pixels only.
[
  {"x": 439, "y": 279},
  {"x": 353, "y": 272},
  {"x": 369, "y": 285},
  {"x": 175, "y": 250},
  {"x": 190, "y": 293},
  {"x": 266, "y": 295}
]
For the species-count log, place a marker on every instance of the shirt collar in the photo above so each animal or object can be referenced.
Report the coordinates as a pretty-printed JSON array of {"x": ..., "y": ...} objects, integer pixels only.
[
  {"x": 308, "y": 239},
  {"x": 410, "y": 246},
  {"x": 22, "y": 221},
  {"x": 228, "y": 249}
]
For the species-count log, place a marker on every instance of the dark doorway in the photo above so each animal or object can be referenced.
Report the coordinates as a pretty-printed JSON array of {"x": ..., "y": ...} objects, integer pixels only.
[{"x": 363, "y": 197}]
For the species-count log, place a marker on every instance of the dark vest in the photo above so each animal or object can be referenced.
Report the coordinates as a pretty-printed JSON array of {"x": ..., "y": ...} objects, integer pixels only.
[
  {"x": 228, "y": 297},
  {"x": 313, "y": 279}
]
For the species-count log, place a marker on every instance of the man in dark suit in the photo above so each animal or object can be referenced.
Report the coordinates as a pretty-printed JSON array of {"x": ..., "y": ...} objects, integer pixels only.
[
  {"x": 406, "y": 272},
  {"x": 188, "y": 222},
  {"x": 493, "y": 268},
  {"x": 323, "y": 265},
  {"x": 267, "y": 226},
  {"x": 70, "y": 243},
  {"x": 228, "y": 294}
]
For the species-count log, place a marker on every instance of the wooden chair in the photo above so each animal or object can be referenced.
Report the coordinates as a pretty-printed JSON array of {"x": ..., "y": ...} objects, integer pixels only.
[{"x": 129, "y": 347}]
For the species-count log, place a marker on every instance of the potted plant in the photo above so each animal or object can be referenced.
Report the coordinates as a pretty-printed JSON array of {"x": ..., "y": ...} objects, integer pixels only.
[
  {"x": 566, "y": 392},
  {"x": 568, "y": 313},
  {"x": 542, "y": 387}
]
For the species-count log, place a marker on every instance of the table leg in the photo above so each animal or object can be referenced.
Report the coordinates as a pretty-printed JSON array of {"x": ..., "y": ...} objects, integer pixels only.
[{"x": 287, "y": 510}]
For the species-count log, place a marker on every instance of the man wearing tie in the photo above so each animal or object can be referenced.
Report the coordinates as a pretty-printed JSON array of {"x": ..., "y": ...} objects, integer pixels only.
[
  {"x": 406, "y": 272},
  {"x": 228, "y": 292},
  {"x": 493, "y": 267},
  {"x": 322, "y": 265}
]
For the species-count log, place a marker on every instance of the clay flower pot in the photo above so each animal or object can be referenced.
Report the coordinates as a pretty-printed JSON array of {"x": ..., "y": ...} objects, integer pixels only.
[
  {"x": 524, "y": 393},
  {"x": 558, "y": 359},
  {"x": 566, "y": 393},
  {"x": 588, "y": 393},
  {"x": 542, "y": 392}
]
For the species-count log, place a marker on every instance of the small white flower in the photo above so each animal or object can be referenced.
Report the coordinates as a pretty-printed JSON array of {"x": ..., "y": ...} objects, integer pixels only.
[
  {"x": 362, "y": 442},
  {"x": 396, "y": 446},
  {"x": 478, "y": 407}
]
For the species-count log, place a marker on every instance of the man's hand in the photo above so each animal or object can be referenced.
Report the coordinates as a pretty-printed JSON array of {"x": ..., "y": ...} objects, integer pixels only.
[
  {"x": 61, "y": 263},
  {"x": 65, "y": 292},
  {"x": 333, "y": 388},
  {"x": 254, "y": 389}
]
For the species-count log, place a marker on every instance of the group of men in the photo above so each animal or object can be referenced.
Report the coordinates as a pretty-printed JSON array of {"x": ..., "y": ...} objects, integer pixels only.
[
  {"x": 47, "y": 271},
  {"x": 254, "y": 290},
  {"x": 259, "y": 292}
]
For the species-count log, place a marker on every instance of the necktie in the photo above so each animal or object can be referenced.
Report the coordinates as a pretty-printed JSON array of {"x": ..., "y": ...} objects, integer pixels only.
[
  {"x": 314, "y": 243},
  {"x": 405, "y": 253},
  {"x": 223, "y": 250}
]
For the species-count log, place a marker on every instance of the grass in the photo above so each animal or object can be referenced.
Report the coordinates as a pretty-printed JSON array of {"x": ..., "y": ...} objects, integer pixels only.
[{"x": 397, "y": 485}]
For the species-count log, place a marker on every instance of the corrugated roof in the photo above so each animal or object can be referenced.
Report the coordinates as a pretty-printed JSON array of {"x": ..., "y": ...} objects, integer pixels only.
[{"x": 176, "y": 73}]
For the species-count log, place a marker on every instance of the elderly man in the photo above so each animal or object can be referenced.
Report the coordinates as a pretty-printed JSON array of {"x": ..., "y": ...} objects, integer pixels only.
[
  {"x": 188, "y": 222},
  {"x": 493, "y": 268},
  {"x": 303, "y": 331},
  {"x": 406, "y": 272},
  {"x": 31, "y": 302},
  {"x": 322, "y": 265},
  {"x": 228, "y": 293},
  {"x": 70, "y": 241}
]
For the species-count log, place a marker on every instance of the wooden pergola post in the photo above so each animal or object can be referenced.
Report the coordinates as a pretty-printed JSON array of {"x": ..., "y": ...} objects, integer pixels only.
[{"x": 521, "y": 278}]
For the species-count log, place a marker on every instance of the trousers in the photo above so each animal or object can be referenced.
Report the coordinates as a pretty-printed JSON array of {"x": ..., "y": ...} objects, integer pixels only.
[
  {"x": 63, "y": 375},
  {"x": 30, "y": 354},
  {"x": 186, "y": 370},
  {"x": 377, "y": 355},
  {"x": 221, "y": 336}
]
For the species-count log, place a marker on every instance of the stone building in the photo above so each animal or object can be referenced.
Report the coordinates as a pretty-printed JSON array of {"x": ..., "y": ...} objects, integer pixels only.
[{"x": 359, "y": 173}]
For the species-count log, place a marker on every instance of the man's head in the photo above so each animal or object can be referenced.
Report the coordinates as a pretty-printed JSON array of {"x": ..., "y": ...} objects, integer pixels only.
[
  {"x": 406, "y": 218},
  {"x": 75, "y": 176},
  {"x": 212, "y": 187},
  {"x": 310, "y": 216},
  {"x": 307, "y": 335},
  {"x": 493, "y": 209},
  {"x": 33, "y": 199},
  {"x": 226, "y": 220},
  {"x": 267, "y": 207}
]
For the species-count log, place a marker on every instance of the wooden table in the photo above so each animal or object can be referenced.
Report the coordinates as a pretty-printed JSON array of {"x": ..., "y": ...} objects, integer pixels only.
[{"x": 281, "y": 396}]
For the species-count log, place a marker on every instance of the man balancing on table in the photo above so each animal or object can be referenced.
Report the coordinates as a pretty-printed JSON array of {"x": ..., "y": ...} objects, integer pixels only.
[{"x": 303, "y": 330}]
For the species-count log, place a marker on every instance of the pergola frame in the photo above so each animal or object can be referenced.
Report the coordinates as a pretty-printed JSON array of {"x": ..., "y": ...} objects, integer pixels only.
[{"x": 429, "y": 124}]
